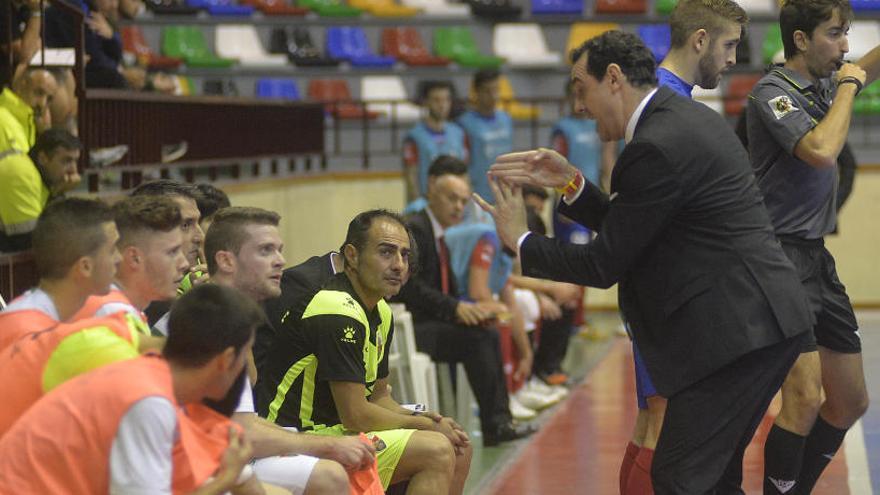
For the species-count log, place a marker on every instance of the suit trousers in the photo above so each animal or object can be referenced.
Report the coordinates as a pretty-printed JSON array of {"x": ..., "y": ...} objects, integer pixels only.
[
  {"x": 478, "y": 349},
  {"x": 709, "y": 424}
]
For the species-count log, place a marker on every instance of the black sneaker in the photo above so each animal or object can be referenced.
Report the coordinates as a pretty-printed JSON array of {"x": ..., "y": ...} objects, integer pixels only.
[{"x": 506, "y": 432}]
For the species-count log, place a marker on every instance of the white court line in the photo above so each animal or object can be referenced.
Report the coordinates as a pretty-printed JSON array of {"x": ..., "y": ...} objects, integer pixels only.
[{"x": 859, "y": 477}]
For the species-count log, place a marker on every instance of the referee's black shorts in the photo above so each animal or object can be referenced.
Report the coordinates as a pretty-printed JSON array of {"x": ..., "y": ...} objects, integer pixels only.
[{"x": 836, "y": 327}]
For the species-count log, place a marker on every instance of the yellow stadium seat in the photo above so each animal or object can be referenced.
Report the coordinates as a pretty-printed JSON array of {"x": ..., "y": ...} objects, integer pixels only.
[
  {"x": 582, "y": 31},
  {"x": 384, "y": 8}
]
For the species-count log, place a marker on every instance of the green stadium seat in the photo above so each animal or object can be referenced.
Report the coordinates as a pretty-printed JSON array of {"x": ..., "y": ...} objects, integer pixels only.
[
  {"x": 664, "y": 6},
  {"x": 772, "y": 47},
  {"x": 457, "y": 43},
  {"x": 188, "y": 43},
  {"x": 330, "y": 8}
]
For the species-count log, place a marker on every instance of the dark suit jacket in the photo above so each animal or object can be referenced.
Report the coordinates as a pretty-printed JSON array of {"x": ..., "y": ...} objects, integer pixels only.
[
  {"x": 703, "y": 280},
  {"x": 423, "y": 294}
]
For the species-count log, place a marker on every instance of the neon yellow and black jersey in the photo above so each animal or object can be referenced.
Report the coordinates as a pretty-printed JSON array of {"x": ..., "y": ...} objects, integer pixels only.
[{"x": 335, "y": 339}]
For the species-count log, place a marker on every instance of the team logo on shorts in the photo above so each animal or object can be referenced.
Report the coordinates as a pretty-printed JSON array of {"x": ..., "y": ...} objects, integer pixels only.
[
  {"x": 782, "y": 106},
  {"x": 348, "y": 336}
]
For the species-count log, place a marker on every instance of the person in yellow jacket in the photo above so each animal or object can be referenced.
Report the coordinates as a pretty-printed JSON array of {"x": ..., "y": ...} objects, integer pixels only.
[
  {"x": 24, "y": 108},
  {"x": 29, "y": 180}
]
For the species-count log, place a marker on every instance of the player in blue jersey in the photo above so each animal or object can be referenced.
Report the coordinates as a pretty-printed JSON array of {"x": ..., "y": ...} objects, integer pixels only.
[
  {"x": 705, "y": 34},
  {"x": 488, "y": 131},
  {"x": 435, "y": 135}
]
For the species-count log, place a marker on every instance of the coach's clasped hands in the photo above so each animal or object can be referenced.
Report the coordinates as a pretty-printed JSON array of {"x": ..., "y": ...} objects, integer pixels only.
[{"x": 541, "y": 167}]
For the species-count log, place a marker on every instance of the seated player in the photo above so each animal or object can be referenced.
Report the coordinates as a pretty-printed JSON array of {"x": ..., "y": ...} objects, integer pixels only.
[
  {"x": 243, "y": 250},
  {"x": 68, "y": 276},
  {"x": 140, "y": 422},
  {"x": 327, "y": 372}
]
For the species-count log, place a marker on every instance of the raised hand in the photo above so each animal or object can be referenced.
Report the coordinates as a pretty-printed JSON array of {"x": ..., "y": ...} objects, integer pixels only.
[
  {"x": 509, "y": 212},
  {"x": 541, "y": 167}
]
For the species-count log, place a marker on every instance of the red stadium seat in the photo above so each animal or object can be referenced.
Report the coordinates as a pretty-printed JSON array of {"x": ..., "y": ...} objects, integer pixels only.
[
  {"x": 275, "y": 7},
  {"x": 133, "y": 42},
  {"x": 405, "y": 44},
  {"x": 738, "y": 90},
  {"x": 621, "y": 6},
  {"x": 336, "y": 96}
]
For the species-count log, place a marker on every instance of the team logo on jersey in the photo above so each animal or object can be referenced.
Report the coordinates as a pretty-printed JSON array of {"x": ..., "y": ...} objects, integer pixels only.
[
  {"x": 350, "y": 303},
  {"x": 348, "y": 336},
  {"x": 782, "y": 106}
]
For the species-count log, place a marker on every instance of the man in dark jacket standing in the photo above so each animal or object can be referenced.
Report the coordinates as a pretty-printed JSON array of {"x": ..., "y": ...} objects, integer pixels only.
[{"x": 718, "y": 310}]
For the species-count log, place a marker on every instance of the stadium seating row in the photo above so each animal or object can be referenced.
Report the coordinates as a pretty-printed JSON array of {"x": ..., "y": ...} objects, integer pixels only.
[{"x": 494, "y": 9}]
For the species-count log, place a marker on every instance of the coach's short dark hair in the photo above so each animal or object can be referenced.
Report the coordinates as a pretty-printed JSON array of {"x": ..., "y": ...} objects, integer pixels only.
[
  {"x": 805, "y": 15},
  {"x": 624, "y": 49},
  {"x": 67, "y": 230},
  {"x": 447, "y": 165},
  {"x": 136, "y": 215},
  {"x": 166, "y": 187},
  {"x": 206, "y": 321}
]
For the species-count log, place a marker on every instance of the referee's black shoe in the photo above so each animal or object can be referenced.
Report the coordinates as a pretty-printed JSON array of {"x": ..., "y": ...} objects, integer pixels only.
[{"x": 505, "y": 432}]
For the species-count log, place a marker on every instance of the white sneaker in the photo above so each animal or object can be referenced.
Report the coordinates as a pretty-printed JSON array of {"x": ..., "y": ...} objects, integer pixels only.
[
  {"x": 535, "y": 384},
  {"x": 535, "y": 400},
  {"x": 519, "y": 411}
]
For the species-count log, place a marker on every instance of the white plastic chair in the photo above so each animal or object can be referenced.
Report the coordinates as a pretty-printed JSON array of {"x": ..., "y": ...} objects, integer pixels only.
[
  {"x": 524, "y": 46},
  {"x": 416, "y": 368},
  {"x": 709, "y": 97},
  {"x": 240, "y": 41},
  {"x": 439, "y": 8},
  {"x": 863, "y": 36},
  {"x": 384, "y": 89}
]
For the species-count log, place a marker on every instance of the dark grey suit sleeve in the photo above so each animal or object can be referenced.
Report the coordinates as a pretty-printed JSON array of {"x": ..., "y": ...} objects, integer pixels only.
[
  {"x": 648, "y": 194},
  {"x": 590, "y": 208}
]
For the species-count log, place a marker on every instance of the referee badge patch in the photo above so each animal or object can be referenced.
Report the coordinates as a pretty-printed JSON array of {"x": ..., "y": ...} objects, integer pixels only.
[{"x": 782, "y": 106}]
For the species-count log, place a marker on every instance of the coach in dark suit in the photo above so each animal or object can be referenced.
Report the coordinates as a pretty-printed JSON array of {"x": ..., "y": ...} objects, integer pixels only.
[{"x": 716, "y": 308}]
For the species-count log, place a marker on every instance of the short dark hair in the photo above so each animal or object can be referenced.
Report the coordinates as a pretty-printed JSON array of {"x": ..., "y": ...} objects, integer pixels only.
[
  {"x": 211, "y": 199},
  {"x": 227, "y": 230},
  {"x": 428, "y": 86},
  {"x": 485, "y": 76},
  {"x": 624, "y": 49},
  {"x": 52, "y": 139},
  {"x": 207, "y": 320},
  {"x": 67, "y": 230},
  {"x": 166, "y": 187},
  {"x": 359, "y": 227},
  {"x": 692, "y": 15},
  {"x": 805, "y": 15},
  {"x": 447, "y": 165},
  {"x": 136, "y": 215}
]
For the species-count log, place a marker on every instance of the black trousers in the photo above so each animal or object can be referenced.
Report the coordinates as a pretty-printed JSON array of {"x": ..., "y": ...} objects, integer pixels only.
[
  {"x": 479, "y": 350},
  {"x": 553, "y": 344},
  {"x": 709, "y": 424}
]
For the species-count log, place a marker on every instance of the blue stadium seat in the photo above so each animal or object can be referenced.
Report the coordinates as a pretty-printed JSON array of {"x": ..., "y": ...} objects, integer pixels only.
[
  {"x": 658, "y": 37},
  {"x": 350, "y": 43},
  {"x": 865, "y": 5},
  {"x": 557, "y": 7},
  {"x": 222, "y": 7},
  {"x": 277, "y": 89}
]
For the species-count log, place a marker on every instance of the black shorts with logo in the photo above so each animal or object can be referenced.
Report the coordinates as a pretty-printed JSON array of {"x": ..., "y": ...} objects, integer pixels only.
[{"x": 836, "y": 327}]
